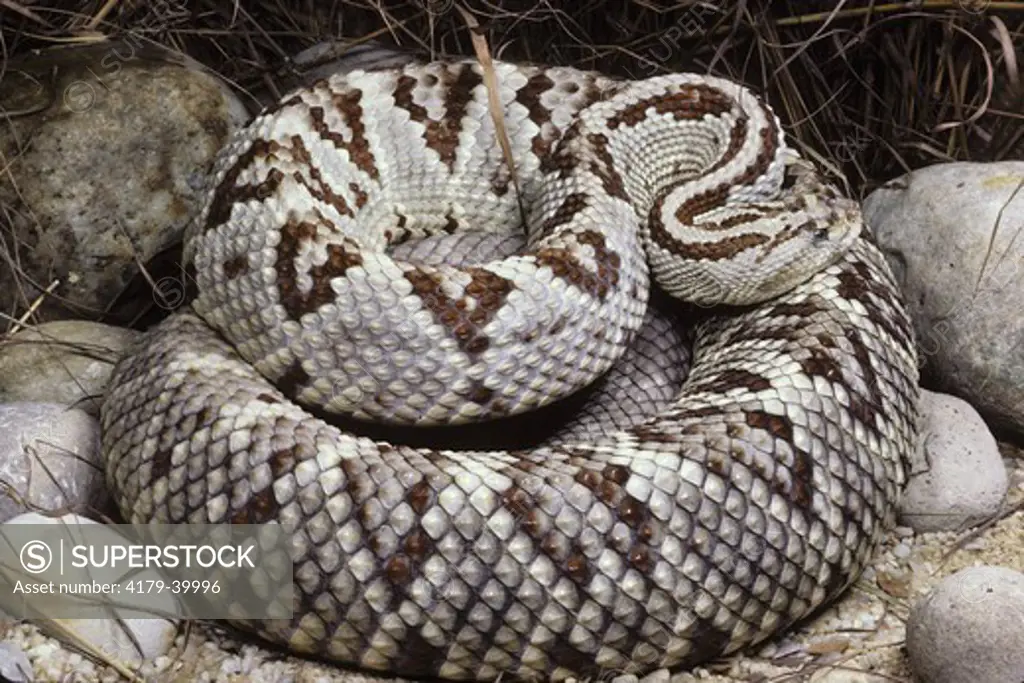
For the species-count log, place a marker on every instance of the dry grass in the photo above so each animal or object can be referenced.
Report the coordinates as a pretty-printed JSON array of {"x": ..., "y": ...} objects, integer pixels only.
[
  {"x": 870, "y": 89},
  {"x": 874, "y": 87}
]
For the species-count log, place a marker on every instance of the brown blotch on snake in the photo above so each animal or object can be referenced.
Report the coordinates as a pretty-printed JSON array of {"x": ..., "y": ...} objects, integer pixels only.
[
  {"x": 319, "y": 188},
  {"x": 420, "y": 497},
  {"x": 228, "y": 193},
  {"x": 233, "y": 267},
  {"x": 441, "y": 136},
  {"x": 262, "y": 505},
  {"x": 875, "y": 297},
  {"x": 486, "y": 290},
  {"x": 160, "y": 465},
  {"x": 530, "y": 97},
  {"x": 479, "y": 394},
  {"x": 418, "y": 545},
  {"x": 724, "y": 248},
  {"x": 573, "y": 204},
  {"x": 801, "y": 486},
  {"x": 565, "y": 266},
  {"x": 339, "y": 259},
  {"x": 293, "y": 378},
  {"x": 820, "y": 364},
  {"x": 687, "y": 103},
  {"x": 357, "y": 147},
  {"x": 864, "y": 408},
  {"x": 733, "y": 379},
  {"x": 604, "y": 167},
  {"x": 577, "y": 566}
]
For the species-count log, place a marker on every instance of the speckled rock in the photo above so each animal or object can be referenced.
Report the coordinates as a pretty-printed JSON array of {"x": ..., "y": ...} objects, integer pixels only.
[
  {"x": 49, "y": 459},
  {"x": 962, "y": 479},
  {"x": 67, "y": 362},
  {"x": 970, "y": 628},
  {"x": 951, "y": 232},
  {"x": 116, "y": 166}
]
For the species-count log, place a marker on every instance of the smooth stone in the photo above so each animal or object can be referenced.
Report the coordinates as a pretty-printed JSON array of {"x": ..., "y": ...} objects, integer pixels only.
[
  {"x": 969, "y": 628},
  {"x": 961, "y": 479},
  {"x": 49, "y": 460},
  {"x": 951, "y": 233}
]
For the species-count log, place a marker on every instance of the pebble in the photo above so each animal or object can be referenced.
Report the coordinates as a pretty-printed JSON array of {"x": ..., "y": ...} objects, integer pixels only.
[
  {"x": 975, "y": 544},
  {"x": 14, "y": 664},
  {"x": 960, "y": 480},
  {"x": 970, "y": 628},
  {"x": 49, "y": 460}
]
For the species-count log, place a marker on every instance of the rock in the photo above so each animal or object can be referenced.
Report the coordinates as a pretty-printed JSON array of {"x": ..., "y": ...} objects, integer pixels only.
[
  {"x": 963, "y": 480},
  {"x": 49, "y": 459},
  {"x": 970, "y": 628},
  {"x": 951, "y": 232},
  {"x": 14, "y": 665},
  {"x": 115, "y": 169},
  {"x": 127, "y": 639},
  {"x": 67, "y": 362}
]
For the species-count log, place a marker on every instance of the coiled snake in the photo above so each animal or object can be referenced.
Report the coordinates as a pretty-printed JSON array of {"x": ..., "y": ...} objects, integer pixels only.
[{"x": 664, "y": 525}]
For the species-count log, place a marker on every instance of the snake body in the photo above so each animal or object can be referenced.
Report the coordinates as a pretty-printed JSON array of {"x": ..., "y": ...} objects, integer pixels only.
[{"x": 634, "y": 540}]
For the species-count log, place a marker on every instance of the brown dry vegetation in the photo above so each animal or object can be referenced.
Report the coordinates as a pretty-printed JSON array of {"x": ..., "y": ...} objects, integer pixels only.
[
  {"x": 876, "y": 87},
  {"x": 870, "y": 89}
]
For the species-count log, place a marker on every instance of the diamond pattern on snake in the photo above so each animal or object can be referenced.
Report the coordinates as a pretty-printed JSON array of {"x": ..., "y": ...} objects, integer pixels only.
[{"x": 366, "y": 254}]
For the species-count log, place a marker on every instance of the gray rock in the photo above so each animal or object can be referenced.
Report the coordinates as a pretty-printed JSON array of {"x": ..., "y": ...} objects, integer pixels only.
[
  {"x": 962, "y": 480},
  {"x": 49, "y": 459},
  {"x": 128, "y": 639},
  {"x": 970, "y": 628},
  {"x": 14, "y": 665},
  {"x": 114, "y": 171},
  {"x": 67, "y": 361},
  {"x": 952, "y": 234}
]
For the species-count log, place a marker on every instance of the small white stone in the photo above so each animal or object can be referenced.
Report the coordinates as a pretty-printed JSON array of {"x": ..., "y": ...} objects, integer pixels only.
[
  {"x": 902, "y": 551},
  {"x": 14, "y": 665}
]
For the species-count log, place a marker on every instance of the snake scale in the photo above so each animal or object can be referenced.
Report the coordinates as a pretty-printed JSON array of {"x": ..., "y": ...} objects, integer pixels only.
[{"x": 676, "y": 521}]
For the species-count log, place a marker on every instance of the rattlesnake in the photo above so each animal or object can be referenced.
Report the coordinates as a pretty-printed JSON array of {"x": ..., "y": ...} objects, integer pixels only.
[{"x": 628, "y": 542}]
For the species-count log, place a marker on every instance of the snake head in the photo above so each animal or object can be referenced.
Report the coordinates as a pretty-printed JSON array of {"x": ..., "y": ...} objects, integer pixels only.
[{"x": 745, "y": 252}]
